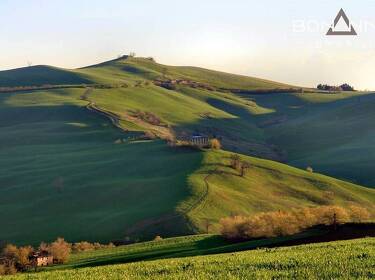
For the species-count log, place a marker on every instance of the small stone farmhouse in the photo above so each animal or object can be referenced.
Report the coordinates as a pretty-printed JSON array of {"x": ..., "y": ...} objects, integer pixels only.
[{"x": 42, "y": 258}]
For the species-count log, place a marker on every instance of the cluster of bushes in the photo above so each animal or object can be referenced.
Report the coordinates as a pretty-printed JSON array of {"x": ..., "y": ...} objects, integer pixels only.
[
  {"x": 14, "y": 259},
  {"x": 343, "y": 87},
  {"x": 109, "y": 86},
  {"x": 148, "y": 118},
  {"x": 239, "y": 165},
  {"x": 215, "y": 144},
  {"x": 87, "y": 246},
  {"x": 166, "y": 85},
  {"x": 171, "y": 84},
  {"x": 283, "y": 223},
  {"x": 141, "y": 83}
]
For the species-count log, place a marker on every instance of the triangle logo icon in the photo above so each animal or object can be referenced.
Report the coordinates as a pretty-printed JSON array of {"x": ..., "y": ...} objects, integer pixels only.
[{"x": 342, "y": 16}]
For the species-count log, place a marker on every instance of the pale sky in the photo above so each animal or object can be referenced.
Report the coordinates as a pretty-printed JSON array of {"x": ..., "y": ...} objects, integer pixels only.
[{"x": 279, "y": 40}]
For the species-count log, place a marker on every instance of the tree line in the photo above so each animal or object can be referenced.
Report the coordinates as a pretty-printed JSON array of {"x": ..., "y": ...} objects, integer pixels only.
[
  {"x": 15, "y": 259},
  {"x": 343, "y": 87},
  {"x": 283, "y": 223}
]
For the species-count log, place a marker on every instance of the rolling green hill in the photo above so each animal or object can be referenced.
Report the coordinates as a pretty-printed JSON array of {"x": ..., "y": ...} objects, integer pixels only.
[
  {"x": 335, "y": 260},
  {"x": 330, "y": 132},
  {"x": 65, "y": 174},
  {"x": 66, "y": 167},
  {"x": 77, "y": 175},
  {"x": 40, "y": 75}
]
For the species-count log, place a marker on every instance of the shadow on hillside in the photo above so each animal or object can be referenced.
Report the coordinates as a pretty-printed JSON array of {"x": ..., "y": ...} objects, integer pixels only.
[
  {"x": 71, "y": 158},
  {"x": 37, "y": 125},
  {"x": 40, "y": 75}
]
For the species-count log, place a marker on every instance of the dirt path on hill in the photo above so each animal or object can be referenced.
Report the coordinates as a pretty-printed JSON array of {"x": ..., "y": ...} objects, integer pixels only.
[{"x": 114, "y": 118}]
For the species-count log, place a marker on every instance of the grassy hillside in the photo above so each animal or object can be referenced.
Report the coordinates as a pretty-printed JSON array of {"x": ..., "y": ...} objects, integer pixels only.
[
  {"x": 207, "y": 244},
  {"x": 333, "y": 133},
  {"x": 185, "y": 246},
  {"x": 80, "y": 177},
  {"x": 118, "y": 69},
  {"x": 64, "y": 172},
  {"x": 330, "y": 132},
  {"x": 335, "y": 260},
  {"x": 40, "y": 75},
  {"x": 267, "y": 186},
  {"x": 66, "y": 167}
]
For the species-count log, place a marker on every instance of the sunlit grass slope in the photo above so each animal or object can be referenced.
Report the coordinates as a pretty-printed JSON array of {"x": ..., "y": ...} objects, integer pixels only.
[
  {"x": 335, "y": 260},
  {"x": 120, "y": 69},
  {"x": 183, "y": 246},
  {"x": 267, "y": 186}
]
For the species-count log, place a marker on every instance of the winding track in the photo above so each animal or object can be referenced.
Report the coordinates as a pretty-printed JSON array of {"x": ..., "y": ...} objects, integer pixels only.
[{"x": 115, "y": 119}]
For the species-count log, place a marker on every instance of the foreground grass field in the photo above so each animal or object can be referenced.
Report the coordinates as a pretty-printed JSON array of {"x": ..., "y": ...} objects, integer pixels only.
[{"x": 335, "y": 260}]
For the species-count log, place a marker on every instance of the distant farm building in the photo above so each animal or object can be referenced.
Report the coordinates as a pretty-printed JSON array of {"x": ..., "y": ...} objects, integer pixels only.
[
  {"x": 42, "y": 258},
  {"x": 199, "y": 140},
  {"x": 195, "y": 140}
]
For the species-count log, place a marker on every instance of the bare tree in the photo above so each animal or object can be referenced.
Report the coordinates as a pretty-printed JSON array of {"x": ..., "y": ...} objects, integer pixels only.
[
  {"x": 207, "y": 225},
  {"x": 235, "y": 161},
  {"x": 60, "y": 250},
  {"x": 244, "y": 167}
]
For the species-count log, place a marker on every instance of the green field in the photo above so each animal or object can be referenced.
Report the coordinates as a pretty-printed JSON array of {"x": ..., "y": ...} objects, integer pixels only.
[
  {"x": 67, "y": 171},
  {"x": 267, "y": 186},
  {"x": 335, "y": 260},
  {"x": 185, "y": 246},
  {"x": 63, "y": 168}
]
